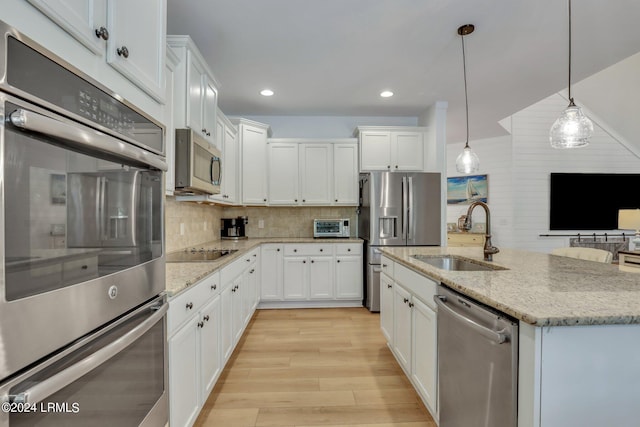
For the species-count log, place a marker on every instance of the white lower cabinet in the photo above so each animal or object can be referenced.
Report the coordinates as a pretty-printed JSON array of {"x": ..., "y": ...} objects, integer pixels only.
[
  {"x": 205, "y": 323},
  {"x": 328, "y": 274},
  {"x": 424, "y": 361},
  {"x": 409, "y": 323},
  {"x": 402, "y": 326},
  {"x": 194, "y": 349},
  {"x": 271, "y": 281}
]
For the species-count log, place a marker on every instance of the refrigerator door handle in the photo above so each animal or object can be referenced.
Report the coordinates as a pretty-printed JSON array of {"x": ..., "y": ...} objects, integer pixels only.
[
  {"x": 404, "y": 207},
  {"x": 410, "y": 210}
]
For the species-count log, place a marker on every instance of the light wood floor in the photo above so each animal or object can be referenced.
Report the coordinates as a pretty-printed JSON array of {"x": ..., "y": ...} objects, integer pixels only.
[{"x": 314, "y": 367}]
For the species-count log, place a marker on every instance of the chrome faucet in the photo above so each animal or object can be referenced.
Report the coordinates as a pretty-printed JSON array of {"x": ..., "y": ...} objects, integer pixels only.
[{"x": 489, "y": 249}]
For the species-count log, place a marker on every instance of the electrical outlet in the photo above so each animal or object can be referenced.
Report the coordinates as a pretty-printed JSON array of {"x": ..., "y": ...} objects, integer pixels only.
[
  {"x": 261, "y": 223},
  {"x": 182, "y": 228}
]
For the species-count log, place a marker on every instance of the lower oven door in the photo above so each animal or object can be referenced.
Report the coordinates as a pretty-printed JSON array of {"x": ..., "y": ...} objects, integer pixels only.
[{"x": 115, "y": 377}]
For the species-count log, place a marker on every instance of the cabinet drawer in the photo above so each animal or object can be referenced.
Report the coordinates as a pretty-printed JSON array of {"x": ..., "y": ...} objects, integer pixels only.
[
  {"x": 308, "y": 249},
  {"x": 187, "y": 304},
  {"x": 348, "y": 248},
  {"x": 233, "y": 270},
  {"x": 386, "y": 266},
  {"x": 419, "y": 285}
]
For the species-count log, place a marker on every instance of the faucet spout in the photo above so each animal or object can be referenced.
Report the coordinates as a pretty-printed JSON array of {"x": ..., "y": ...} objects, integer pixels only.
[{"x": 489, "y": 249}]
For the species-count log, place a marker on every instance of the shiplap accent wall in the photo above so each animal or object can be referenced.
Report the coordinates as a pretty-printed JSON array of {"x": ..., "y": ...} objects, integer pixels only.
[{"x": 519, "y": 166}]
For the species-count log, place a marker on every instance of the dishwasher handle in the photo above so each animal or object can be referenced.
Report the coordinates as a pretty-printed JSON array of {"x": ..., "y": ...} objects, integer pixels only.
[{"x": 499, "y": 336}]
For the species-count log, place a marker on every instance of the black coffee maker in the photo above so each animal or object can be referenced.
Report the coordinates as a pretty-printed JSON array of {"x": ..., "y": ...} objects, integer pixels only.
[{"x": 234, "y": 228}]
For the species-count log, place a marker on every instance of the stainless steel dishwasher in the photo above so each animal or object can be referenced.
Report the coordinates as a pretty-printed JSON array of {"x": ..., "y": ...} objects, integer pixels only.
[{"x": 477, "y": 363}]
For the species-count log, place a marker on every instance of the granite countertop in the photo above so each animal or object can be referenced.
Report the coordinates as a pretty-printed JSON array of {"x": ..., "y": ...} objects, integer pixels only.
[
  {"x": 539, "y": 289},
  {"x": 181, "y": 275}
]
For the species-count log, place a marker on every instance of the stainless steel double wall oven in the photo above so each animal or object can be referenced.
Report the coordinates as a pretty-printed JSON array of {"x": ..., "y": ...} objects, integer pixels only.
[{"x": 82, "y": 309}]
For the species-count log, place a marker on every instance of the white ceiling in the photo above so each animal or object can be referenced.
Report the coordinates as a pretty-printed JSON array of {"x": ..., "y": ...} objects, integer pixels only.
[{"x": 333, "y": 57}]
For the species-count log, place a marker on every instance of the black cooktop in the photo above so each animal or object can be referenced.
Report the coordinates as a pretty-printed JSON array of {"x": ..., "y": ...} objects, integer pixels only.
[{"x": 199, "y": 255}]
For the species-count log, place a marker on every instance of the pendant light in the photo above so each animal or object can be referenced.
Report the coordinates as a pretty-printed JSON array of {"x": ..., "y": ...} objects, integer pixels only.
[
  {"x": 572, "y": 129},
  {"x": 467, "y": 162}
]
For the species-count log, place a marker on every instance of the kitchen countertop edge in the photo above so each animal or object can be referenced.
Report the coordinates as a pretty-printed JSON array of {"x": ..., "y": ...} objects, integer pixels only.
[
  {"x": 180, "y": 276},
  {"x": 531, "y": 280}
]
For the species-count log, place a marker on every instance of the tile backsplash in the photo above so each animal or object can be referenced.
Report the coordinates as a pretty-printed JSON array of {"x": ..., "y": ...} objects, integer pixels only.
[
  {"x": 190, "y": 224},
  {"x": 288, "y": 221}
]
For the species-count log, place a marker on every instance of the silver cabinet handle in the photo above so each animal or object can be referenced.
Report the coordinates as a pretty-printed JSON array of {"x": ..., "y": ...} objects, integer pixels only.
[
  {"x": 102, "y": 33},
  {"x": 46, "y": 388},
  {"x": 498, "y": 336},
  {"x": 83, "y": 137},
  {"x": 123, "y": 51}
]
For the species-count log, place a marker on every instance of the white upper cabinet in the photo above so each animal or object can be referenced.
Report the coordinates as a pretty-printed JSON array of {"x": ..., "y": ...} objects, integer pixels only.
[
  {"x": 171, "y": 64},
  {"x": 316, "y": 173},
  {"x": 132, "y": 32},
  {"x": 253, "y": 148},
  {"x": 85, "y": 20},
  {"x": 196, "y": 91},
  {"x": 345, "y": 174},
  {"x": 227, "y": 140},
  {"x": 283, "y": 173},
  {"x": 392, "y": 148}
]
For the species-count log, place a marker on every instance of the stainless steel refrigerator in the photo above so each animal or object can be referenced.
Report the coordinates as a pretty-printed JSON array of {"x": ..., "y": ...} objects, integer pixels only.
[{"x": 396, "y": 209}]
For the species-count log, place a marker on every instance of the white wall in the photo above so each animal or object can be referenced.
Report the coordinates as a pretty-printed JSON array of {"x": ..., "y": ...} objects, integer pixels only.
[
  {"x": 519, "y": 166},
  {"x": 495, "y": 161},
  {"x": 326, "y": 126}
]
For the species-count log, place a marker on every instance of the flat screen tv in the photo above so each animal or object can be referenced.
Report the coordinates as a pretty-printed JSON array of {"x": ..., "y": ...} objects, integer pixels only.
[{"x": 590, "y": 201}]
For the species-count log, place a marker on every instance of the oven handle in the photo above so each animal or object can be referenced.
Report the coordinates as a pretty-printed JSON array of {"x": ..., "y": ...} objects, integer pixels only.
[
  {"x": 28, "y": 120},
  {"x": 46, "y": 388}
]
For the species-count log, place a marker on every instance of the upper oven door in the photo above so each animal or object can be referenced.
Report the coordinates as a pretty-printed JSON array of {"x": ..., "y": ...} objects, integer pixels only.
[{"x": 81, "y": 230}]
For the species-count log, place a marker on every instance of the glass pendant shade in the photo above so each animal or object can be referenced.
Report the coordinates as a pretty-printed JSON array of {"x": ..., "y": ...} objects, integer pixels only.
[
  {"x": 572, "y": 129},
  {"x": 467, "y": 161}
]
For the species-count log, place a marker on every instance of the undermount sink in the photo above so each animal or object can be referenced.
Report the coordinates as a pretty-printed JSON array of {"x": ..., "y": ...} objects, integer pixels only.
[{"x": 455, "y": 263}]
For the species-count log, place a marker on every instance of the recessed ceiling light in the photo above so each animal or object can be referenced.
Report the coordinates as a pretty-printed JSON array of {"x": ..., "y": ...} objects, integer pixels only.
[
  {"x": 266, "y": 92},
  {"x": 386, "y": 93}
]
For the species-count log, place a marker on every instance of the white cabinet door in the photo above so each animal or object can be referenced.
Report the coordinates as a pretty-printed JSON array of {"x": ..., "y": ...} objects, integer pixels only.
[
  {"x": 283, "y": 173},
  {"x": 321, "y": 281},
  {"x": 295, "y": 275},
  {"x": 254, "y": 164},
  {"x": 238, "y": 312},
  {"x": 271, "y": 282},
  {"x": 83, "y": 19},
  {"x": 230, "y": 164},
  {"x": 226, "y": 321},
  {"x": 171, "y": 65},
  {"x": 345, "y": 174},
  {"x": 386, "y": 308},
  {"x": 195, "y": 93},
  {"x": 349, "y": 277},
  {"x": 248, "y": 293},
  {"x": 402, "y": 326},
  {"x": 210, "y": 356},
  {"x": 184, "y": 375},
  {"x": 136, "y": 44},
  {"x": 407, "y": 151},
  {"x": 316, "y": 174},
  {"x": 375, "y": 149},
  {"x": 424, "y": 357},
  {"x": 209, "y": 108}
]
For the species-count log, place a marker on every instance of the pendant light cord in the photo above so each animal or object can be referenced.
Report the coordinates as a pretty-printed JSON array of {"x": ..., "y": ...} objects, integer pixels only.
[
  {"x": 466, "y": 98},
  {"x": 570, "y": 98}
]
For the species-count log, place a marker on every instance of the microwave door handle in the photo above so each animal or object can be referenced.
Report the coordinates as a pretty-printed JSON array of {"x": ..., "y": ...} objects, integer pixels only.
[
  {"x": 218, "y": 179},
  {"x": 84, "y": 137},
  {"x": 49, "y": 386}
]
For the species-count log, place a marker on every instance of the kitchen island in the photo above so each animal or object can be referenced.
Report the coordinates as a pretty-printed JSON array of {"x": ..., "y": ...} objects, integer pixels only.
[{"x": 579, "y": 340}]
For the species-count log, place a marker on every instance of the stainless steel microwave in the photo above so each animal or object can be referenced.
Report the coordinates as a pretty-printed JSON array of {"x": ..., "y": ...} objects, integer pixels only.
[
  {"x": 331, "y": 227},
  {"x": 198, "y": 166}
]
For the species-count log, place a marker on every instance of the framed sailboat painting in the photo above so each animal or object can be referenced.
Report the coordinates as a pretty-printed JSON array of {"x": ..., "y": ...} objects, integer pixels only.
[{"x": 463, "y": 190}]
